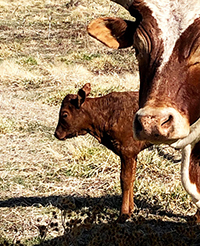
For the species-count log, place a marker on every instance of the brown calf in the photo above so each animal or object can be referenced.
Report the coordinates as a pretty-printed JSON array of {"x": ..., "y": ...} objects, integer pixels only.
[{"x": 110, "y": 120}]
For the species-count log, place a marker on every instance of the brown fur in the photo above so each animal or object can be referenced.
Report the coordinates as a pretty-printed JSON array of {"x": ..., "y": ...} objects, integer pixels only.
[{"x": 109, "y": 119}]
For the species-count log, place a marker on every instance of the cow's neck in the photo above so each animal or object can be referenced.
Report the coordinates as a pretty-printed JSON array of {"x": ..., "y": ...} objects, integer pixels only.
[
  {"x": 161, "y": 24},
  {"x": 172, "y": 18},
  {"x": 178, "y": 80}
]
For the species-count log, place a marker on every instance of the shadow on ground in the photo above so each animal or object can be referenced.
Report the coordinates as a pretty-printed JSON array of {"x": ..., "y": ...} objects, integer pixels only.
[
  {"x": 95, "y": 222},
  {"x": 63, "y": 202}
]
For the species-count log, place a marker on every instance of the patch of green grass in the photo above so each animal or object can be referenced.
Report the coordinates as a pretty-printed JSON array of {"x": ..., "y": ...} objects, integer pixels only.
[
  {"x": 56, "y": 98},
  {"x": 32, "y": 241},
  {"x": 81, "y": 57},
  {"x": 31, "y": 83},
  {"x": 90, "y": 57},
  {"x": 7, "y": 125},
  {"x": 105, "y": 62},
  {"x": 31, "y": 61},
  {"x": 4, "y": 185},
  {"x": 19, "y": 180},
  {"x": 34, "y": 126},
  {"x": 93, "y": 162},
  {"x": 10, "y": 125},
  {"x": 5, "y": 241},
  {"x": 99, "y": 91}
]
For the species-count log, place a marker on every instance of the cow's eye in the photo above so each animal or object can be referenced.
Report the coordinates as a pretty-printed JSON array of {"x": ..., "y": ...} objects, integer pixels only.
[{"x": 64, "y": 115}]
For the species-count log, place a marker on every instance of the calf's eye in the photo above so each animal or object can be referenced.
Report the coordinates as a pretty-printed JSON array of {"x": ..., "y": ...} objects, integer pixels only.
[{"x": 64, "y": 115}]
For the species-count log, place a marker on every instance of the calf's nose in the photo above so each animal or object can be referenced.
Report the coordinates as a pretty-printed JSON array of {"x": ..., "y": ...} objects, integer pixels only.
[
  {"x": 59, "y": 133},
  {"x": 56, "y": 135},
  {"x": 160, "y": 125}
]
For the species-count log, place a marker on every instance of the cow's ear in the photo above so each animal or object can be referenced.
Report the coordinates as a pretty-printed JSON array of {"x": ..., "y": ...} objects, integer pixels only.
[
  {"x": 190, "y": 43},
  {"x": 194, "y": 57},
  {"x": 83, "y": 93},
  {"x": 113, "y": 32}
]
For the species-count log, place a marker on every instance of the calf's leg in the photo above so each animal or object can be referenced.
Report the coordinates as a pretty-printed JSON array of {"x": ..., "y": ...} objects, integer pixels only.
[{"x": 127, "y": 177}]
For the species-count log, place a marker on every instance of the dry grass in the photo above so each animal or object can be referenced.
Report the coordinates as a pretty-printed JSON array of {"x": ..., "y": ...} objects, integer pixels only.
[{"x": 55, "y": 193}]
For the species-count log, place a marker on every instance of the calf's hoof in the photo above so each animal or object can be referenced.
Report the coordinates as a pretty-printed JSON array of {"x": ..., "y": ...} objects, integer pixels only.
[{"x": 122, "y": 218}]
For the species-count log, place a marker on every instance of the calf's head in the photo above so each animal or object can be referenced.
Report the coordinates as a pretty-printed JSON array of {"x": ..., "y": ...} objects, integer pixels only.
[
  {"x": 166, "y": 36},
  {"x": 73, "y": 119}
]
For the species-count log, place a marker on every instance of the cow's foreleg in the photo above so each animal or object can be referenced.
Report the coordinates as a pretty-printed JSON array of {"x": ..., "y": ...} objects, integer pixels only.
[
  {"x": 190, "y": 175},
  {"x": 128, "y": 169}
]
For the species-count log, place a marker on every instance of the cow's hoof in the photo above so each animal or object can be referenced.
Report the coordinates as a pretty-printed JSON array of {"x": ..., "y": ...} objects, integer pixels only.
[
  {"x": 194, "y": 219},
  {"x": 197, "y": 216}
]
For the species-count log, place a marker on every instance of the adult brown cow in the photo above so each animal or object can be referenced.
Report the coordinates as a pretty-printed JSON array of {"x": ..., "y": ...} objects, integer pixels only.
[{"x": 166, "y": 36}]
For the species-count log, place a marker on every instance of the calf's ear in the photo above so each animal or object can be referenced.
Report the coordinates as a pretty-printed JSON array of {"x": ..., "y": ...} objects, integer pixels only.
[
  {"x": 83, "y": 93},
  {"x": 113, "y": 32}
]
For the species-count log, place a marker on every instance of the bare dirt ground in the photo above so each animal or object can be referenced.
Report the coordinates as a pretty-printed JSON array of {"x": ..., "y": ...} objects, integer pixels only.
[{"x": 68, "y": 193}]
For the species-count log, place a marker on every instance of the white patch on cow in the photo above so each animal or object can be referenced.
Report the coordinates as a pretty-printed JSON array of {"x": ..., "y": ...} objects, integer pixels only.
[
  {"x": 173, "y": 18},
  {"x": 189, "y": 187}
]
